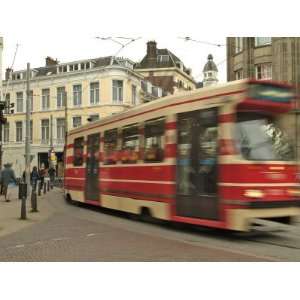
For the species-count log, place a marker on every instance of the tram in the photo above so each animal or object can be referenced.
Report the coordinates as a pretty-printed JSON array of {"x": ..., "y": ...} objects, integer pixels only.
[{"x": 221, "y": 156}]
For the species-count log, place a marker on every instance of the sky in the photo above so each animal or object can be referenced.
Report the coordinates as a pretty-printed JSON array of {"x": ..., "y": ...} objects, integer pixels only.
[{"x": 66, "y": 30}]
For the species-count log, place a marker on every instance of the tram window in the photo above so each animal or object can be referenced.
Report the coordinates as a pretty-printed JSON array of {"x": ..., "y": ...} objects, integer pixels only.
[
  {"x": 110, "y": 147},
  {"x": 154, "y": 140},
  {"x": 78, "y": 151},
  {"x": 130, "y": 144}
]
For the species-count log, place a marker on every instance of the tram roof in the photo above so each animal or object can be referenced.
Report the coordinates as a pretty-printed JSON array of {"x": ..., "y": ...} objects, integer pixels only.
[{"x": 217, "y": 90}]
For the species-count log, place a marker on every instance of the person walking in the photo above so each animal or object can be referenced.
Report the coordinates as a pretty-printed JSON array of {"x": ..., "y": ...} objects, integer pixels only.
[
  {"x": 34, "y": 177},
  {"x": 7, "y": 176},
  {"x": 51, "y": 173},
  {"x": 42, "y": 174}
]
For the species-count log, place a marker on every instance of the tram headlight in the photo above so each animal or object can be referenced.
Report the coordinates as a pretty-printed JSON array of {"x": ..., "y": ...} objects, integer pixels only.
[
  {"x": 254, "y": 193},
  {"x": 294, "y": 192}
]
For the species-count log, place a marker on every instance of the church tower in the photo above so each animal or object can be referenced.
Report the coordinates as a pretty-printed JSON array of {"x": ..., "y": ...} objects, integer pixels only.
[{"x": 210, "y": 72}]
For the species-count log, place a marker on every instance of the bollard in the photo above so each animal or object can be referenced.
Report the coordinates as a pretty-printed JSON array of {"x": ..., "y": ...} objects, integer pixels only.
[
  {"x": 23, "y": 196},
  {"x": 45, "y": 188},
  {"x": 34, "y": 202},
  {"x": 23, "y": 209},
  {"x": 48, "y": 185}
]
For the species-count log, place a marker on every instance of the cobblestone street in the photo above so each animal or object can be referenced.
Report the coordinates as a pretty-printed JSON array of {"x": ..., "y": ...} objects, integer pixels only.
[{"x": 81, "y": 234}]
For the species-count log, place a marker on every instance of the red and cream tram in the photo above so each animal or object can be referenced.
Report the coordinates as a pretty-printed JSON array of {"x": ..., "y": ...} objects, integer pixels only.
[{"x": 220, "y": 156}]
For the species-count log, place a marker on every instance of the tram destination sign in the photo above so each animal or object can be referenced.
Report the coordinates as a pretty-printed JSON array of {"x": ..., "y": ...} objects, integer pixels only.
[{"x": 269, "y": 92}]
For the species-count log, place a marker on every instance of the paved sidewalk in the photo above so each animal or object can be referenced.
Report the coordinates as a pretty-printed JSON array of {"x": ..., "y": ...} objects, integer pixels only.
[{"x": 10, "y": 212}]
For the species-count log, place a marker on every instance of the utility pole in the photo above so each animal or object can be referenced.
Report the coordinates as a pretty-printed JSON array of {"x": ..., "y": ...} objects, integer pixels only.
[
  {"x": 27, "y": 137},
  {"x": 66, "y": 115},
  {"x": 66, "y": 127}
]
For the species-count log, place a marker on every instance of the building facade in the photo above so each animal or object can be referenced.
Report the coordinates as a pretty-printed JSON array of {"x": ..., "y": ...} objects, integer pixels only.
[
  {"x": 64, "y": 95},
  {"x": 276, "y": 58},
  {"x": 164, "y": 69}
]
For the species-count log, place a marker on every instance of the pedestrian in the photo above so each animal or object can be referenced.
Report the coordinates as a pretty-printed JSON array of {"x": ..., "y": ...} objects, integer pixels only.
[
  {"x": 7, "y": 177},
  {"x": 51, "y": 173},
  {"x": 42, "y": 174},
  {"x": 34, "y": 177}
]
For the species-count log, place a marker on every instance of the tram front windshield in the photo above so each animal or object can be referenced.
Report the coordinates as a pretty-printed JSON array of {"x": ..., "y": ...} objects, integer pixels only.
[{"x": 262, "y": 137}]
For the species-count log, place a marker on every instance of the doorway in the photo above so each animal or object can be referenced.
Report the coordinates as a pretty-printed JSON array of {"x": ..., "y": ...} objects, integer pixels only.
[
  {"x": 92, "y": 191},
  {"x": 197, "y": 164}
]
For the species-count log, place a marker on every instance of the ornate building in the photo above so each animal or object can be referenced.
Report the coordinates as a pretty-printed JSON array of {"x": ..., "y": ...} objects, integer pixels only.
[{"x": 65, "y": 94}]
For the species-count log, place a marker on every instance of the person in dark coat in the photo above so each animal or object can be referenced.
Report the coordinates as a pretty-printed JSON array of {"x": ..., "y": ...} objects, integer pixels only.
[
  {"x": 34, "y": 177},
  {"x": 7, "y": 176}
]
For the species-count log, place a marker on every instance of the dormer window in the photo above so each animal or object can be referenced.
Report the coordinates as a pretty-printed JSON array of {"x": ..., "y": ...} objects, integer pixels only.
[{"x": 163, "y": 58}]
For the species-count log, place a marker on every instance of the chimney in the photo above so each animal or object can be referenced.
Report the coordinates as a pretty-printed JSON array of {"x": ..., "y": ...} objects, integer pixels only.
[
  {"x": 151, "y": 49},
  {"x": 51, "y": 61},
  {"x": 8, "y": 73}
]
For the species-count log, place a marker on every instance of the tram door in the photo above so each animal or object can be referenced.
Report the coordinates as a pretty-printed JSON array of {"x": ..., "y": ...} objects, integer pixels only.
[
  {"x": 197, "y": 166},
  {"x": 92, "y": 168}
]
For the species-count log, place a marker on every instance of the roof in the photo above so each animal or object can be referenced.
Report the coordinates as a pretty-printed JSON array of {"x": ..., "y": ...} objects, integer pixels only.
[
  {"x": 173, "y": 61},
  {"x": 97, "y": 62}
]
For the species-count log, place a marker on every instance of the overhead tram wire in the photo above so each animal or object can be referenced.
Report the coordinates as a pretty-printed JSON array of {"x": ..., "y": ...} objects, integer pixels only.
[
  {"x": 131, "y": 40},
  {"x": 11, "y": 67}
]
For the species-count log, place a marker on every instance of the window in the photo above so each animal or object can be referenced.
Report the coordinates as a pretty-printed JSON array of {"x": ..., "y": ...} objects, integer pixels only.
[
  {"x": 133, "y": 94},
  {"x": 238, "y": 44},
  {"x": 45, "y": 99},
  {"x": 261, "y": 41},
  {"x": 45, "y": 131},
  {"x": 93, "y": 118},
  {"x": 60, "y": 130},
  {"x": 154, "y": 140},
  {"x": 263, "y": 71},
  {"x": 7, "y": 100},
  {"x": 117, "y": 91},
  {"x": 20, "y": 102},
  {"x": 77, "y": 95},
  {"x": 19, "y": 131},
  {"x": 6, "y": 133},
  {"x": 110, "y": 147},
  {"x": 94, "y": 93},
  {"x": 130, "y": 144},
  {"x": 70, "y": 68},
  {"x": 60, "y": 97},
  {"x": 78, "y": 151},
  {"x": 76, "y": 121},
  {"x": 163, "y": 58},
  {"x": 238, "y": 74}
]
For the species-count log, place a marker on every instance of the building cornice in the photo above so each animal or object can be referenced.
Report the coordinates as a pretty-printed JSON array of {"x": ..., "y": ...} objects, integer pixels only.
[
  {"x": 168, "y": 69},
  {"x": 76, "y": 73}
]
